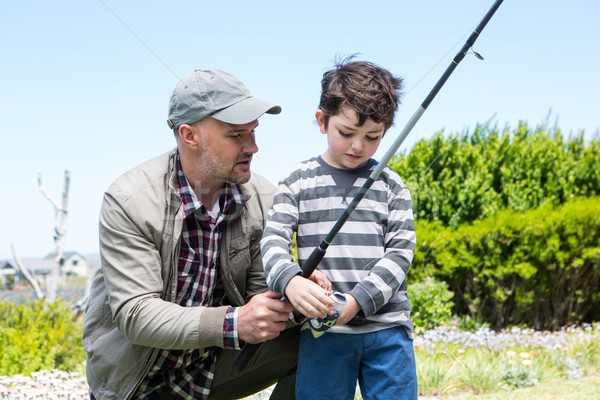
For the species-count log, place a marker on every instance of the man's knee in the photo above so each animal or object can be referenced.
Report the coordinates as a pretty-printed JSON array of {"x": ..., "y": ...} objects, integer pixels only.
[{"x": 274, "y": 360}]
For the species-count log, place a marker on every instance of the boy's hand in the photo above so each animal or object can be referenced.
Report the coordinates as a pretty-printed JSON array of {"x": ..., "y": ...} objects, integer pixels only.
[
  {"x": 308, "y": 298},
  {"x": 320, "y": 279},
  {"x": 350, "y": 310}
]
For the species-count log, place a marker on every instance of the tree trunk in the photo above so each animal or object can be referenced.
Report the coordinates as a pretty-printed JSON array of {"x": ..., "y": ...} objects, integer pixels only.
[{"x": 60, "y": 229}]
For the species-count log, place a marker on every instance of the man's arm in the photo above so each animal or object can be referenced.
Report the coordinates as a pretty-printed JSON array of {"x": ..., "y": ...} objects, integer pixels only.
[{"x": 132, "y": 268}]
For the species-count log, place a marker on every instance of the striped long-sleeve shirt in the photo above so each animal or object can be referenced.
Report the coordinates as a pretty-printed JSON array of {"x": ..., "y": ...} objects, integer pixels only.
[{"x": 369, "y": 257}]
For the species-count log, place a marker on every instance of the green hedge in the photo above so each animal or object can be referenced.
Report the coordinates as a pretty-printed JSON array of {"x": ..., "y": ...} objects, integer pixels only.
[
  {"x": 539, "y": 267},
  {"x": 36, "y": 335},
  {"x": 462, "y": 178}
]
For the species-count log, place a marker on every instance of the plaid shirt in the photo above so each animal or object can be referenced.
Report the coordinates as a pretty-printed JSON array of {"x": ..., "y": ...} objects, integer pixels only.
[{"x": 189, "y": 373}]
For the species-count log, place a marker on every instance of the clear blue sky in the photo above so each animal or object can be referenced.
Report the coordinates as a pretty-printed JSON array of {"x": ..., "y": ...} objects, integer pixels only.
[{"x": 85, "y": 84}]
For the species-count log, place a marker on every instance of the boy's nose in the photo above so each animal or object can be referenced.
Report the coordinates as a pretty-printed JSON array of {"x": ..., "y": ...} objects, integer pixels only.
[{"x": 357, "y": 145}]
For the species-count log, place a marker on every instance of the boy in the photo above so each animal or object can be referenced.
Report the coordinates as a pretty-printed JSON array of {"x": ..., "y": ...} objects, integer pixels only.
[{"x": 369, "y": 258}]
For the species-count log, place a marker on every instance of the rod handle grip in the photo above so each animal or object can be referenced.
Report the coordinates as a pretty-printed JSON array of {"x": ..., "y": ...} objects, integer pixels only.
[{"x": 312, "y": 261}]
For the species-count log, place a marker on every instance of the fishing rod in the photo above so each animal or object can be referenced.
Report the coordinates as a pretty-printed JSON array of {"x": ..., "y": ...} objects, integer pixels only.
[{"x": 318, "y": 253}]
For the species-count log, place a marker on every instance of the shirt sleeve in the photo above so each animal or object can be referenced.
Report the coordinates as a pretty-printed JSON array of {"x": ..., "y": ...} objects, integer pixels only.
[
  {"x": 276, "y": 243},
  {"x": 230, "y": 329},
  {"x": 388, "y": 274}
]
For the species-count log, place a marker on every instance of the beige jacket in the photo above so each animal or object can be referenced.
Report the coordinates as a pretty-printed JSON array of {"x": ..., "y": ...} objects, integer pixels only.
[{"x": 130, "y": 313}]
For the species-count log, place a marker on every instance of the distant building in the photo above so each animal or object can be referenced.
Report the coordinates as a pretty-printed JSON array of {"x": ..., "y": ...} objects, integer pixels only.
[
  {"x": 73, "y": 265},
  {"x": 7, "y": 274}
]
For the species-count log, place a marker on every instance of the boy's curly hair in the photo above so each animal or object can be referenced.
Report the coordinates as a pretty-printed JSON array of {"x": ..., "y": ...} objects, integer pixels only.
[{"x": 372, "y": 91}]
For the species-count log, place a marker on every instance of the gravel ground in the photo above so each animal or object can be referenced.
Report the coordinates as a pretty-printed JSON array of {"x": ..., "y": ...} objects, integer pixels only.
[
  {"x": 44, "y": 385},
  {"x": 59, "y": 385}
]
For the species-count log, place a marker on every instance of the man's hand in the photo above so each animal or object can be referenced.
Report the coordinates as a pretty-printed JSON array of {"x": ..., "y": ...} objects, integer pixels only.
[
  {"x": 309, "y": 298},
  {"x": 263, "y": 317}
]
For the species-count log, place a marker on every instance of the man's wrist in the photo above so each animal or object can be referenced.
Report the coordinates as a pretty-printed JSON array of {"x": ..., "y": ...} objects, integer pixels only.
[{"x": 230, "y": 329}]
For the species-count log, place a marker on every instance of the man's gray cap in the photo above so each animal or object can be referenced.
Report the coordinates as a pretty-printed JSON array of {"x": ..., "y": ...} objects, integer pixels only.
[{"x": 217, "y": 94}]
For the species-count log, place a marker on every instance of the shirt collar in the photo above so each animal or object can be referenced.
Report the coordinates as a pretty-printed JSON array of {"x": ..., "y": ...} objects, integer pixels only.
[{"x": 231, "y": 193}]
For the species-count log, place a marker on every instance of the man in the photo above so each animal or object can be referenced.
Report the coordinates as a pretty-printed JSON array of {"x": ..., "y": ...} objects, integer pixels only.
[{"x": 182, "y": 287}]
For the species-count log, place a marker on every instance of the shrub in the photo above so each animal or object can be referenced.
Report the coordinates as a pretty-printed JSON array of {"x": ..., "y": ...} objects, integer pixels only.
[
  {"x": 431, "y": 303},
  {"x": 540, "y": 267},
  {"x": 36, "y": 335},
  {"x": 462, "y": 178}
]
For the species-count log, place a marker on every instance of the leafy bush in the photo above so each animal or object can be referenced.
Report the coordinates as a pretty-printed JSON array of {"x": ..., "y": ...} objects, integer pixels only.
[
  {"x": 431, "y": 303},
  {"x": 462, "y": 178},
  {"x": 540, "y": 267},
  {"x": 37, "y": 335}
]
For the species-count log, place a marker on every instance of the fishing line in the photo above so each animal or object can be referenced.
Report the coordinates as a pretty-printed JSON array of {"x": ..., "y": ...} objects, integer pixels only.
[
  {"x": 140, "y": 39},
  {"x": 148, "y": 47},
  {"x": 442, "y": 58},
  {"x": 316, "y": 256},
  {"x": 318, "y": 253},
  {"x": 427, "y": 73}
]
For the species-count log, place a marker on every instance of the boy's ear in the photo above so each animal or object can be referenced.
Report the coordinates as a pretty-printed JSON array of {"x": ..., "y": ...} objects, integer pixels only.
[{"x": 320, "y": 116}]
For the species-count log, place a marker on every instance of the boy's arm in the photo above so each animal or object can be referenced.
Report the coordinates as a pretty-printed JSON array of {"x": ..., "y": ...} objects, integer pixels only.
[
  {"x": 388, "y": 274},
  {"x": 349, "y": 311},
  {"x": 283, "y": 274},
  {"x": 276, "y": 243}
]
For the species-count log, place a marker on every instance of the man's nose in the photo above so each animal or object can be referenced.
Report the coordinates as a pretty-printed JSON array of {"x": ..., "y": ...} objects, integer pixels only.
[{"x": 250, "y": 145}]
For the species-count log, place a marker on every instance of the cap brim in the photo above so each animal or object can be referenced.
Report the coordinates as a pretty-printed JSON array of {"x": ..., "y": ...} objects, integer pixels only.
[{"x": 246, "y": 111}]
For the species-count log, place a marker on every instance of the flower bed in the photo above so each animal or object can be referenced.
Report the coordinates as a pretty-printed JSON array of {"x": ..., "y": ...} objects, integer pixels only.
[{"x": 448, "y": 361}]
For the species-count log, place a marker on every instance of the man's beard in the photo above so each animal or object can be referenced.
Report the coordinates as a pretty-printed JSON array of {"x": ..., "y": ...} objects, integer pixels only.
[{"x": 231, "y": 175}]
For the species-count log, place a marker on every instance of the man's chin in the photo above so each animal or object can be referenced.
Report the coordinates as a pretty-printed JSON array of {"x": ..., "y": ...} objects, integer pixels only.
[{"x": 240, "y": 178}]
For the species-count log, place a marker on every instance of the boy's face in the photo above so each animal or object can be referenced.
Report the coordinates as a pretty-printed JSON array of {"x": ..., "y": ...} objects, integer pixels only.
[{"x": 350, "y": 146}]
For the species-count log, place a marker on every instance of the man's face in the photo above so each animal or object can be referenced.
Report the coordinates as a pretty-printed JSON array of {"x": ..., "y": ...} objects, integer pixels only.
[{"x": 225, "y": 150}]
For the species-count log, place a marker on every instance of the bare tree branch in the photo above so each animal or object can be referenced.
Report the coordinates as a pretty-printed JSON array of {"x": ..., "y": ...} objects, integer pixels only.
[
  {"x": 46, "y": 193},
  {"x": 32, "y": 281}
]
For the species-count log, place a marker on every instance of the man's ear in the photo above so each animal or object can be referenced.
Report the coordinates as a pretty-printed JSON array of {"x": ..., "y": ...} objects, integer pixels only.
[
  {"x": 188, "y": 135},
  {"x": 320, "y": 116}
]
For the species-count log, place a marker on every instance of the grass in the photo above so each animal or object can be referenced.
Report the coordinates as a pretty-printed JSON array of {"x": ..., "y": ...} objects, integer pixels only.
[
  {"x": 486, "y": 364},
  {"x": 513, "y": 364},
  {"x": 587, "y": 388}
]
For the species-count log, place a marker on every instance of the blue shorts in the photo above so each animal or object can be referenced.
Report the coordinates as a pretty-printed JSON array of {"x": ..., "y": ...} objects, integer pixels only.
[{"x": 383, "y": 362}]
